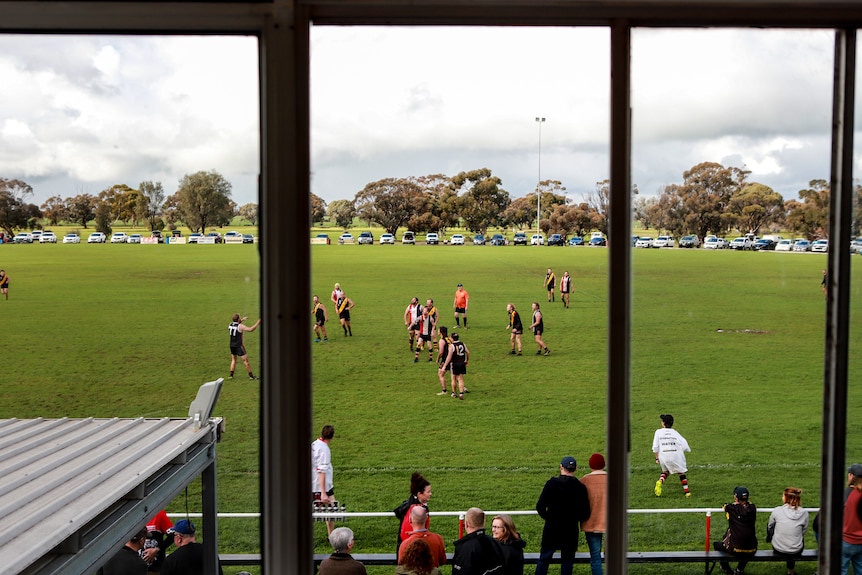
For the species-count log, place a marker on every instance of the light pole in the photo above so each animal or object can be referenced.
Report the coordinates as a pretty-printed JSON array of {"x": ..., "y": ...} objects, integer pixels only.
[{"x": 540, "y": 121}]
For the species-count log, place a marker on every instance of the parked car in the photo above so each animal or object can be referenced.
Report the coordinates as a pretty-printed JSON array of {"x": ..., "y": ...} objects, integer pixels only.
[
  {"x": 48, "y": 238},
  {"x": 764, "y": 245},
  {"x": 537, "y": 240},
  {"x": 801, "y": 245},
  {"x": 157, "y": 235},
  {"x": 856, "y": 246},
  {"x": 408, "y": 238},
  {"x": 432, "y": 239},
  {"x": 576, "y": 241},
  {"x": 644, "y": 242},
  {"x": 598, "y": 241},
  {"x": 345, "y": 238},
  {"x": 193, "y": 238},
  {"x": 784, "y": 246},
  {"x": 520, "y": 239},
  {"x": 478, "y": 240},
  {"x": 232, "y": 235},
  {"x": 689, "y": 242},
  {"x": 556, "y": 240},
  {"x": 34, "y": 235},
  {"x": 118, "y": 238},
  {"x": 134, "y": 239},
  {"x": 247, "y": 239},
  {"x": 821, "y": 246},
  {"x": 97, "y": 238},
  {"x": 216, "y": 235},
  {"x": 366, "y": 238},
  {"x": 457, "y": 240},
  {"x": 741, "y": 243},
  {"x": 387, "y": 239},
  {"x": 71, "y": 239},
  {"x": 23, "y": 238},
  {"x": 663, "y": 242},
  {"x": 498, "y": 240}
]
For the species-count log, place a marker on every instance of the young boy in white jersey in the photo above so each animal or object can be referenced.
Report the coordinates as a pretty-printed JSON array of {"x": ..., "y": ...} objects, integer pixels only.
[{"x": 669, "y": 448}]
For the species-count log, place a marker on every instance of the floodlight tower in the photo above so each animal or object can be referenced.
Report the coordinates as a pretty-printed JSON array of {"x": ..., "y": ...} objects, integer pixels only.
[{"x": 540, "y": 121}]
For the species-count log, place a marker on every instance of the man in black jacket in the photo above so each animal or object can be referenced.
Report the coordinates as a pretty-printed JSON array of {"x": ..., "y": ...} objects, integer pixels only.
[
  {"x": 563, "y": 504},
  {"x": 476, "y": 553}
]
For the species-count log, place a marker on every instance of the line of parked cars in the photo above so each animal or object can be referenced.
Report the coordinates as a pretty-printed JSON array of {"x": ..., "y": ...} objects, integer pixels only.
[{"x": 48, "y": 237}]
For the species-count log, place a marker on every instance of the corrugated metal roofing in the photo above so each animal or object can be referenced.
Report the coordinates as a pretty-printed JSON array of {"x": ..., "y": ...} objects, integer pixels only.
[{"x": 73, "y": 490}]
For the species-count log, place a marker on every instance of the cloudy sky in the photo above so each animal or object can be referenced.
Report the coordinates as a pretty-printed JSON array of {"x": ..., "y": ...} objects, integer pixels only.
[{"x": 79, "y": 114}]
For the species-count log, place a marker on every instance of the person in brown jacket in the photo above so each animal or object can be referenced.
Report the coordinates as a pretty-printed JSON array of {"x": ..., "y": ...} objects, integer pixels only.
[{"x": 596, "y": 483}]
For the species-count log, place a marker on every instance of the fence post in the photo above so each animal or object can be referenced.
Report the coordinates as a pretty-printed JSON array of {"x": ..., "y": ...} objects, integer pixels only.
[
  {"x": 460, "y": 526},
  {"x": 708, "y": 526}
]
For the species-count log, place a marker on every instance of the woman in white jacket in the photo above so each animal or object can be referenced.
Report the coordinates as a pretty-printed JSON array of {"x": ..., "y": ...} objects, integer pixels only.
[{"x": 787, "y": 526}]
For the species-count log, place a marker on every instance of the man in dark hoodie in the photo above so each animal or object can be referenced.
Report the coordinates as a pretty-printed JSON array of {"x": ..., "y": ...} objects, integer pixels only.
[
  {"x": 476, "y": 553},
  {"x": 563, "y": 504},
  {"x": 740, "y": 537}
]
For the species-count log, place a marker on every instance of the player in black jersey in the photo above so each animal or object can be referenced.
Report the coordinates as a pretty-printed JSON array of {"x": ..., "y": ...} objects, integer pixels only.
[
  {"x": 320, "y": 318},
  {"x": 442, "y": 352},
  {"x": 237, "y": 348}
]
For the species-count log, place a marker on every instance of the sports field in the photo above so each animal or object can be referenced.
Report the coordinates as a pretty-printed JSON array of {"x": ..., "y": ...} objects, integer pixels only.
[{"x": 730, "y": 343}]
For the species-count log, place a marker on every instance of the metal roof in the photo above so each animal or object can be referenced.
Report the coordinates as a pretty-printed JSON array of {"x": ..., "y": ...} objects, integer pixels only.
[{"x": 72, "y": 491}]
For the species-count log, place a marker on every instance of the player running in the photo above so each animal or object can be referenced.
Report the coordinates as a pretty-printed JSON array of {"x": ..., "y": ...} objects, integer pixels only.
[{"x": 669, "y": 448}]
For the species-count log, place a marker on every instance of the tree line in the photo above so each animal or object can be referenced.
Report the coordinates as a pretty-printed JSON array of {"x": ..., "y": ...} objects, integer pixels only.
[
  {"x": 711, "y": 199},
  {"x": 202, "y": 200}
]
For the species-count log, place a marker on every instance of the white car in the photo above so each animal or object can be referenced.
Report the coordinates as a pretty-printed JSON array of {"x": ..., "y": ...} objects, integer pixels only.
[
  {"x": 537, "y": 240},
  {"x": 35, "y": 235},
  {"x": 22, "y": 238},
  {"x": 71, "y": 239},
  {"x": 457, "y": 240},
  {"x": 96, "y": 238},
  {"x": 387, "y": 239},
  {"x": 408, "y": 238},
  {"x": 741, "y": 243},
  {"x": 820, "y": 246},
  {"x": 432, "y": 239},
  {"x": 345, "y": 238},
  {"x": 134, "y": 239},
  {"x": 784, "y": 246},
  {"x": 233, "y": 236},
  {"x": 801, "y": 245},
  {"x": 366, "y": 238},
  {"x": 118, "y": 238},
  {"x": 644, "y": 242},
  {"x": 48, "y": 238},
  {"x": 663, "y": 242}
]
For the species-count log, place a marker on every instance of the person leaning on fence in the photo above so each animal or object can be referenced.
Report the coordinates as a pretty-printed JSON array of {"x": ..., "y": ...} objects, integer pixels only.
[
  {"x": 740, "y": 539},
  {"x": 341, "y": 562},
  {"x": 787, "y": 526},
  {"x": 563, "y": 504},
  {"x": 420, "y": 494},
  {"x": 594, "y": 528},
  {"x": 416, "y": 559},
  {"x": 504, "y": 531}
]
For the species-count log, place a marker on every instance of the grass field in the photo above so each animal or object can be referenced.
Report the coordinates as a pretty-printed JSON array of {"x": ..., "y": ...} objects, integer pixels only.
[{"x": 730, "y": 343}]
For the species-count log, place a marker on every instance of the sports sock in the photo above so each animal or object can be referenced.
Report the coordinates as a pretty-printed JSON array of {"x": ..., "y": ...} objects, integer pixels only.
[
  {"x": 684, "y": 480},
  {"x": 465, "y": 322}
]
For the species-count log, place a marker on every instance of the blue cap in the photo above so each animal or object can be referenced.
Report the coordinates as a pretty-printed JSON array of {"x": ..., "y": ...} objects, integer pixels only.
[
  {"x": 568, "y": 463},
  {"x": 184, "y": 527}
]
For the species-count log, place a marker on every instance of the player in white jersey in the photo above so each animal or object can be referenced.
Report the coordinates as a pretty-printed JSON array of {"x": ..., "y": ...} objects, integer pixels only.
[{"x": 669, "y": 448}]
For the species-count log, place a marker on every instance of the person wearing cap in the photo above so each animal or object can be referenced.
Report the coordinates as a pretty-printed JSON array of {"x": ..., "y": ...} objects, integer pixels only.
[
  {"x": 341, "y": 562},
  {"x": 550, "y": 281},
  {"x": 740, "y": 539},
  {"x": 851, "y": 533},
  {"x": 128, "y": 561},
  {"x": 188, "y": 559},
  {"x": 669, "y": 448},
  {"x": 462, "y": 302},
  {"x": 563, "y": 503},
  {"x": 594, "y": 528}
]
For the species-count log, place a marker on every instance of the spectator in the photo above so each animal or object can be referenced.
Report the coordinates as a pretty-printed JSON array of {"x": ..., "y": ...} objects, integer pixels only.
[
  {"x": 476, "y": 553},
  {"x": 420, "y": 494},
  {"x": 419, "y": 530},
  {"x": 563, "y": 504},
  {"x": 322, "y": 490},
  {"x": 188, "y": 559},
  {"x": 127, "y": 561},
  {"x": 787, "y": 526},
  {"x": 740, "y": 539},
  {"x": 340, "y": 562},
  {"x": 157, "y": 541},
  {"x": 851, "y": 547},
  {"x": 669, "y": 448},
  {"x": 416, "y": 559},
  {"x": 594, "y": 528},
  {"x": 504, "y": 531}
]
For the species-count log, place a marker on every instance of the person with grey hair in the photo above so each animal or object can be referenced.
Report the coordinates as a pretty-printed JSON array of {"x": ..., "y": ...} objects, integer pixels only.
[{"x": 340, "y": 562}]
